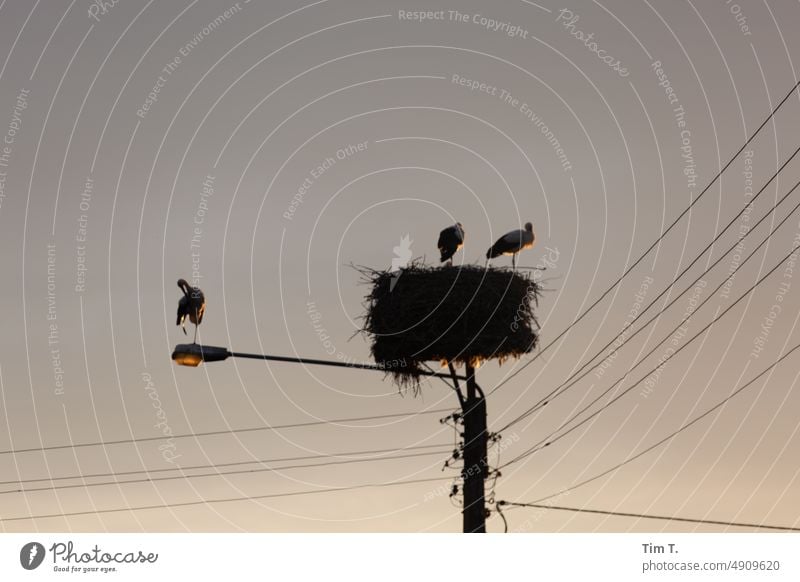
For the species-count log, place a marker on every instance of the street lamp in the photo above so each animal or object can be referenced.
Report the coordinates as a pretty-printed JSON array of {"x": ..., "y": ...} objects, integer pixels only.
[{"x": 193, "y": 354}]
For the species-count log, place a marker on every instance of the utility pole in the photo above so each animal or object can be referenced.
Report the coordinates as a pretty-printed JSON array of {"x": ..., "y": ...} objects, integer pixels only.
[
  {"x": 473, "y": 408},
  {"x": 476, "y": 467}
]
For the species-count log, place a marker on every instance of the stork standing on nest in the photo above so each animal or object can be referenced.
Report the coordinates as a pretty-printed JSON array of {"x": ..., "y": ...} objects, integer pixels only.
[
  {"x": 450, "y": 240},
  {"x": 511, "y": 243},
  {"x": 191, "y": 305}
]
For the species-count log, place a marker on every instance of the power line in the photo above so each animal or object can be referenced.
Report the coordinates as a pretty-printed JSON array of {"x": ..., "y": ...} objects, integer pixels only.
[
  {"x": 221, "y": 432},
  {"x": 665, "y": 360},
  {"x": 547, "y": 441},
  {"x": 225, "y": 500},
  {"x": 578, "y": 376},
  {"x": 676, "y": 432},
  {"x": 680, "y": 275},
  {"x": 220, "y": 474},
  {"x": 229, "y": 464},
  {"x": 650, "y": 516},
  {"x": 651, "y": 247}
]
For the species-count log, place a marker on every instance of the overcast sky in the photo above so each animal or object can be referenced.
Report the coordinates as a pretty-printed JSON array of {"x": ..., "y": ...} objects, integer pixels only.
[{"x": 263, "y": 148}]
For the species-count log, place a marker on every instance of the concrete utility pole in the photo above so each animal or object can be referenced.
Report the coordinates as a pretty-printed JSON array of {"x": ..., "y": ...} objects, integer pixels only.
[{"x": 476, "y": 466}]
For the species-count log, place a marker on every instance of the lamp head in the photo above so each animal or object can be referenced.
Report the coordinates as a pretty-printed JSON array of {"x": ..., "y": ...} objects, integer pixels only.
[{"x": 193, "y": 354}]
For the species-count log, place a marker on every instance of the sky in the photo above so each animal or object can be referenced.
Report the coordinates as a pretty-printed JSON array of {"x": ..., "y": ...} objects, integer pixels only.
[{"x": 264, "y": 150}]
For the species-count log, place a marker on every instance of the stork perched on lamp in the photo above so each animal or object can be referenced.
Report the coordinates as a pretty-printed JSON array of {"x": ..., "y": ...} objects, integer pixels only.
[
  {"x": 450, "y": 240},
  {"x": 191, "y": 305},
  {"x": 512, "y": 243}
]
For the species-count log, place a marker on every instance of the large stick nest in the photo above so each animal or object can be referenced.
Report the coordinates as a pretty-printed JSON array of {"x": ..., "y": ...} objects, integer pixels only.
[{"x": 460, "y": 314}]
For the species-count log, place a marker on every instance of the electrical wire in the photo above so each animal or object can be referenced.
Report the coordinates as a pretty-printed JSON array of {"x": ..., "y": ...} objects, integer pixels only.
[
  {"x": 221, "y": 465},
  {"x": 217, "y": 473},
  {"x": 651, "y": 247},
  {"x": 689, "y": 316},
  {"x": 649, "y": 516},
  {"x": 220, "y": 432},
  {"x": 548, "y": 441},
  {"x": 497, "y": 507},
  {"x": 675, "y": 433},
  {"x": 578, "y": 376},
  {"x": 221, "y": 500}
]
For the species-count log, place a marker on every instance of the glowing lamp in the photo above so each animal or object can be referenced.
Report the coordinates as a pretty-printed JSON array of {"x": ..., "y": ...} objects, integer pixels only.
[{"x": 193, "y": 354}]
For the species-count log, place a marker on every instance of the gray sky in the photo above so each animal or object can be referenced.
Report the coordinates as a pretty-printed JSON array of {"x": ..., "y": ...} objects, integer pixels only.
[{"x": 155, "y": 141}]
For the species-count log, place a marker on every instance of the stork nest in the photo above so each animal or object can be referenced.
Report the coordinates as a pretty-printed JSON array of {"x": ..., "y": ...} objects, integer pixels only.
[{"x": 460, "y": 314}]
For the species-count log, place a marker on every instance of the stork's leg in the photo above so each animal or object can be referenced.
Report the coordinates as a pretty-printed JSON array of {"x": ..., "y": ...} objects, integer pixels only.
[
  {"x": 194, "y": 341},
  {"x": 514, "y": 262}
]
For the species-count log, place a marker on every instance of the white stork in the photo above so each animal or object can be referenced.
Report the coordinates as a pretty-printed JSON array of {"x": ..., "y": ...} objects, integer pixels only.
[
  {"x": 450, "y": 240},
  {"x": 511, "y": 243},
  {"x": 191, "y": 305}
]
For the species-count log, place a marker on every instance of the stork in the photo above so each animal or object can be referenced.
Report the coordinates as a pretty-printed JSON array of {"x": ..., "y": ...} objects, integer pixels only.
[
  {"x": 450, "y": 240},
  {"x": 191, "y": 305},
  {"x": 511, "y": 243}
]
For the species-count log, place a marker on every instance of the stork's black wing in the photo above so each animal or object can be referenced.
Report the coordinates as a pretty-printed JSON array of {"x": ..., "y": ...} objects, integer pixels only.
[{"x": 183, "y": 311}]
